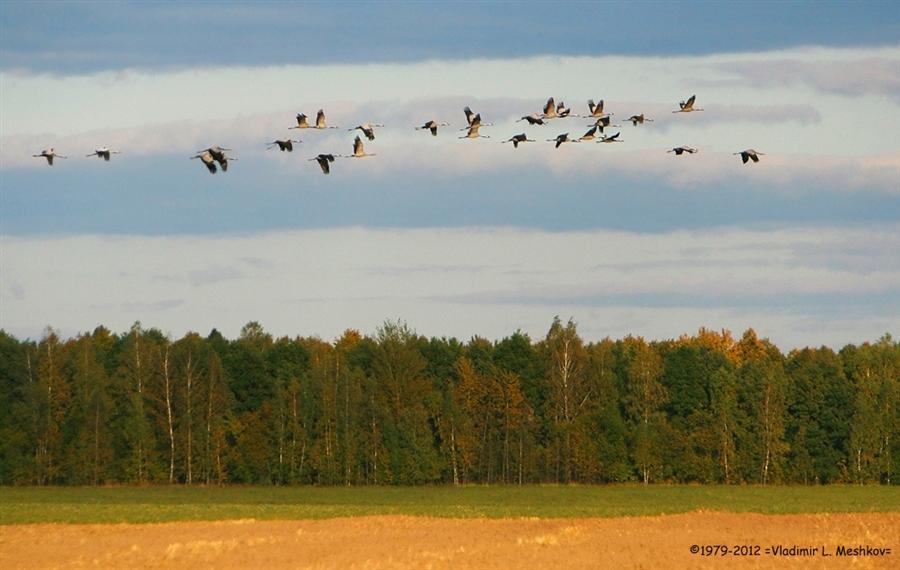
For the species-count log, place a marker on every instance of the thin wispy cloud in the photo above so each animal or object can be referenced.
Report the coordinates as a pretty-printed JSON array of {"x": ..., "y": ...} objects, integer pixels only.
[
  {"x": 251, "y": 132},
  {"x": 81, "y": 37},
  {"x": 402, "y": 150},
  {"x": 866, "y": 76},
  {"x": 179, "y": 112},
  {"x": 435, "y": 183},
  {"x": 463, "y": 281}
]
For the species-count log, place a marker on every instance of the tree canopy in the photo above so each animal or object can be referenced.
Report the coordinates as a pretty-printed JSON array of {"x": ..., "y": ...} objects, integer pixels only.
[{"x": 398, "y": 408}]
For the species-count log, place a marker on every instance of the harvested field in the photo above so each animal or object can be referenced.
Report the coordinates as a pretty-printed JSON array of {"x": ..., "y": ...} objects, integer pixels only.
[{"x": 393, "y": 542}]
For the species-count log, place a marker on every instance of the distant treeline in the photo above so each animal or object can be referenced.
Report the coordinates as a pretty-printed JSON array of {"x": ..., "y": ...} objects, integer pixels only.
[{"x": 398, "y": 408}]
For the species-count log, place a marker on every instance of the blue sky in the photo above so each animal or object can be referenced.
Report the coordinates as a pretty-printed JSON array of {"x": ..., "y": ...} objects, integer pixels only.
[
  {"x": 800, "y": 246},
  {"x": 152, "y": 198},
  {"x": 80, "y": 37}
]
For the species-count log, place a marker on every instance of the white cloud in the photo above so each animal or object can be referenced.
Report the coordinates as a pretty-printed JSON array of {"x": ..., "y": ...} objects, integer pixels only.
[
  {"x": 401, "y": 149},
  {"x": 782, "y": 281},
  {"x": 804, "y": 109},
  {"x": 865, "y": 76}
]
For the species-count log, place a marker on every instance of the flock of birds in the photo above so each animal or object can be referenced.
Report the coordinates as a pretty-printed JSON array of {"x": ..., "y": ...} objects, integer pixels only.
[{"x": 215, "y": 156}]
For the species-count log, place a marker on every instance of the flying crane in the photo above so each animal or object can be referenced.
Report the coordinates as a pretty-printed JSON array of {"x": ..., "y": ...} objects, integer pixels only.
[
  {"x": 103, "y": 153},
  {"x": 750, "y": 154},
  {"x": 516, "y": 139},
  {"x": 432, "y": 126},
  {"x": 687, "y": 106},
  {"x": 283, "y": 145},
  {"x": 49, "y": 154},
  {"x": 324, "y": 161}
]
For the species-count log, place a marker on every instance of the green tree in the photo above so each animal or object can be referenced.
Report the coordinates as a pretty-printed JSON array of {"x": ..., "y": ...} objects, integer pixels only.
[
  {"x": 245, "y": 366},
  {"x": 765, "y": 386},
  {"x": 89, "y": 448},
  {"x": 602, "y": 455},
  {"x": 190, "y": 358},
  {"x": 401, "y": 390},
  {"x": 569, "y": 392},
  {"x": 397, "y": 408},
  {"x": 874, "y": 370},
  {"x": 54, "y": 399},
  {"x": 644, "y": 399},
  {"x": 728, "y": 418},
  {"x": 18, "y": 413},
  {"x": 138, "y": 446},
  {"x": 288, "y": 362},
  {"x": 818, "y": 416},
  {"x": 323, "y": 372},
  {"x": 216, "y": 403},
  {"x": 517, "y": 354}
]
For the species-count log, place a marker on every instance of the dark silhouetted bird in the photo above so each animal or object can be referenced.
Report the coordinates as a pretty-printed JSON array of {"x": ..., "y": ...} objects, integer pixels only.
[
  {"x": 324, "y": 161},
  {"x": 287, "y": 145},
  {"x": 432, "y": 126},
  {"x": 532, "y": 120},
  {"x": 639, "y": 119},
  {"x": 750, "y": 154},
  {"x": 516, "y": 139},
  {"x": 563, "y": 138},
  {"x": 679, "y": 150},
  {"x": 103, "y": 153}
]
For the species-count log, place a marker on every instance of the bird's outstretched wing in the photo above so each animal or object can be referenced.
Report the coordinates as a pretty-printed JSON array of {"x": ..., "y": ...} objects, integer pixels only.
[{"x": 549, "y": 106}]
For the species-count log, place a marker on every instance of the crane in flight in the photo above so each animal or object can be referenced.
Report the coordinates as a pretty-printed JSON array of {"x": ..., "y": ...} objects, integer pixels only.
[
  {"x": 473, "y": 132},
  {"x": 611, "y": 139},
  {"x": 688, "y": 106},
  {"x": 103, "y": 153},
  {"x": 750, "y": 154},
  {"x": 207, "y": 159},
  {"x": 432, "y": 126},
  {"x": 474, "y": 120},
  {"x": 320, "y": 121},
  {"x": 285, "y": 145},
  {"x": 516, "y": 139},
  {"x": 302, "y": 122},
  {"x": 596, "y": 110},
  {"x": 639, "y": 119},
  {"x": 49, "y": 154},
  {"x": 359, "y": 150},
  {"x": 469, "y": 114},
  {"x": 218, "y": 154},
  {"x": 563, "y": 138},
  {"x": 324, "y": 161},
  {"x": 532, "y": 119},
  {"x": 679, "y": 150},
  {"x": 367, "y": 129},
  {"x": 604, "y": 122},
  {"x": 549, "y": 109},
  {"x": 590, "y": 135}
]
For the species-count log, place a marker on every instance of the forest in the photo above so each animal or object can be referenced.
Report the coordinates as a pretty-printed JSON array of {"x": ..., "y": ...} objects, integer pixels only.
[{"x": 397, "y": 408}]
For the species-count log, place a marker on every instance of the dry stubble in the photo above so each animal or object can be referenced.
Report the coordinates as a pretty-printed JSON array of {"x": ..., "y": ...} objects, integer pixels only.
[{"x": 396, "y": 542}]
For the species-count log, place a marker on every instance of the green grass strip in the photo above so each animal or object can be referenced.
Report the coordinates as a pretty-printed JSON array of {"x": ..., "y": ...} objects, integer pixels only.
[{"x": 20, "y": 505}]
